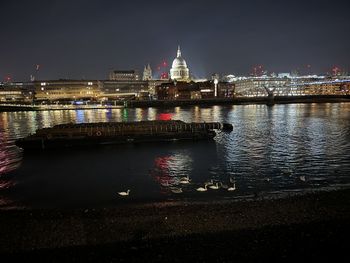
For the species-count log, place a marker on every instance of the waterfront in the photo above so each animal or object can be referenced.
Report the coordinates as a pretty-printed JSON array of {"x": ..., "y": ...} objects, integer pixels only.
[{"x": 272, "y": 151}]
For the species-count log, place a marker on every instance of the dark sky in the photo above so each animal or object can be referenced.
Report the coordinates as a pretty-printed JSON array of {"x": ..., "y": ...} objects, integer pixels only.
[{"x": 86, "y": 39}]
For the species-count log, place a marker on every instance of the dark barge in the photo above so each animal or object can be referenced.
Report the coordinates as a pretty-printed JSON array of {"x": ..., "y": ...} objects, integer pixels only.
[{"x": 88, "y": 134}]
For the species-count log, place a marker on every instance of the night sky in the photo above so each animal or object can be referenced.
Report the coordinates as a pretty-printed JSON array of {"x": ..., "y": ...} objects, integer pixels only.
[{"x": 86, "y": 39}]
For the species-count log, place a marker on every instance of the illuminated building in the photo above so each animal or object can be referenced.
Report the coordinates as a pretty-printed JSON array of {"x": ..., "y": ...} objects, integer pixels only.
[
  {"x": 16, "y": 92},
  {"x": 181, "y": 90},
  {"x": 256, "y": 86},
  {"x": 216, "y": 89},
  {"x": 147, "y": 73},
  {"x": 60, "y": 90},
  {"x": 132, "y": 89},
  {"x": 124, "y": 75},
  {"x": 179, "y": 70},
  {"x": 152, "y": 84}
]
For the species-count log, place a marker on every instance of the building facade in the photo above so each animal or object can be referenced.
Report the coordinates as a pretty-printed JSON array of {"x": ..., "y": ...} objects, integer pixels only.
[
  {"x": 178, "y": 90},
  {"x": 182, "y": 90},
  {"x": 66, "y": 90},
  {"x": 124, "y": 75},
  {"x": 116, "y": 90},
  {"x": 147, "y": 73},
  {"x": 257, "y": 87},
  {"x": 16, "y": 92}
]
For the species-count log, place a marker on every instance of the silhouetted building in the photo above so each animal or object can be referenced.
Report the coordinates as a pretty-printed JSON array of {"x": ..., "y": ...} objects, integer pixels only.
[{"x": 178, "y": 90}]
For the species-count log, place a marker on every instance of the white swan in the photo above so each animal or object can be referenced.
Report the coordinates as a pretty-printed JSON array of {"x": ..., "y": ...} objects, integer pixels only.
[
  {"x": 232, "y": 188},
  {"x": 124, "y": 193},
  {"x": 215, "y": 187},
  {"x": 185, "y": 180},
  {"x": 302, "y": 178},
  {"x": 202, "y": 189},
  {"x": 176, "y": 190}
]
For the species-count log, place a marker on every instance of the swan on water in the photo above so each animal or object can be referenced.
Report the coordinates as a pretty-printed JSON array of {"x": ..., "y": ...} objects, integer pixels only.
[
  {"x": 185, "y": 180},
  {"x": 176, "y": 190},
  {"x": 215, "y": 187},
  {"x": 124, "y": 193},
  {"x": 202, "y": 189},
  {"x": 232, "y": 188}
]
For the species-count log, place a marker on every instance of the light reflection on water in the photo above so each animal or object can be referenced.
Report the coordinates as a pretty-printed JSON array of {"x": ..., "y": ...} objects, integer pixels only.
[{"x": 279, "y": 149}]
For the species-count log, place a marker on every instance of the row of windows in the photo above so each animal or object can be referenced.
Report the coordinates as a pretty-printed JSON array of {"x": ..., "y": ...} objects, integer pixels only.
[{"x": 10, "y": 93}]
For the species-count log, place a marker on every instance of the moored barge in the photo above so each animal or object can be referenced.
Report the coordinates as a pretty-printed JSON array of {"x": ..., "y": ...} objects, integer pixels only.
[{"x": 88, "y": 134}]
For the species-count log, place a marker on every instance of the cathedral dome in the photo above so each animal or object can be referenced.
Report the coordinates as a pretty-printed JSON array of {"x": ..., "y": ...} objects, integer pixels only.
[
  {"x": 179, "y": 68},
  {"x": 179, "y": 62}
]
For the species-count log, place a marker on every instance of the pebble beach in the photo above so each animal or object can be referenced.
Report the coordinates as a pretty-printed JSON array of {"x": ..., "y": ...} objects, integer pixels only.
[{"x": 312, "y": 226}]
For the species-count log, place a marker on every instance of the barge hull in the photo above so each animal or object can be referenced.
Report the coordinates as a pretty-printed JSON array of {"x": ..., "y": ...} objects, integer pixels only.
[{"x": 53, "y": 143}]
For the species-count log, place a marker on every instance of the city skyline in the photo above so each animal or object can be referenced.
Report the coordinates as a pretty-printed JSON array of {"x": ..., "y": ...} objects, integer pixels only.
[{"x": 87, "y": 39}]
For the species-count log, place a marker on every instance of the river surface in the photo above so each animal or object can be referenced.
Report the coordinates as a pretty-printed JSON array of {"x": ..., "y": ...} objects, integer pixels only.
[{"x": 272, "y": 151}]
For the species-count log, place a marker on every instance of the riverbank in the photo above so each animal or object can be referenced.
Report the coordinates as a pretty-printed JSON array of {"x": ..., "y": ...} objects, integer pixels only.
[
  {"x": 241, "y": 101},
  {"x": 309, "y": 227},
  {"x": 176, "y": 103}
]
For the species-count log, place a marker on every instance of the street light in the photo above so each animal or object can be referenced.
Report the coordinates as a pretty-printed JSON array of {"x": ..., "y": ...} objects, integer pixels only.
[{"x": 216, "y": 87}]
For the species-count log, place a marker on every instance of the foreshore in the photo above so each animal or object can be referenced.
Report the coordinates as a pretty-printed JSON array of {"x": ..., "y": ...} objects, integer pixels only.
[
  {"x": 309, "y": 227},
  {"x": 176, "y": 103}
]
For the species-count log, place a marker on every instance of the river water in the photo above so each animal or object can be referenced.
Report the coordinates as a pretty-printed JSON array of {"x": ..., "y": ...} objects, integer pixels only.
[{"x": 272, "y": 151}]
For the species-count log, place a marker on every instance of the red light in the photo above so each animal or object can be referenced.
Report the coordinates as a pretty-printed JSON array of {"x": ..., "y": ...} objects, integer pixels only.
[
  {"x": 165, "y": 116},
  {"x": 164, "y": 75}
]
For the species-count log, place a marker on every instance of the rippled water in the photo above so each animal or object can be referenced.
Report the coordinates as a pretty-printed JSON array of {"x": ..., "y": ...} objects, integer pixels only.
[{"x": 272, "y": 150}]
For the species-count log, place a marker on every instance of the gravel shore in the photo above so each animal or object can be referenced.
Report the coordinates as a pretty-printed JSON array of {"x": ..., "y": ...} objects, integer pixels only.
[{"x": 313, "y": 226}]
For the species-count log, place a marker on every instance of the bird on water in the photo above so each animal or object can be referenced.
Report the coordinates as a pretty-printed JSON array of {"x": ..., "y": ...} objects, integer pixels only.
[
  {"x": 232, "y": 188},
  {"x": 124, "y": 193},
  {"x": 215, "y": 187},
  {"x": 202, "y": 189},
  {"x": 176, "y": 190}
]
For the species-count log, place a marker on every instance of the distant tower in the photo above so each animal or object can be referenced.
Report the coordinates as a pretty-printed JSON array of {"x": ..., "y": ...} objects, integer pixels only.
[{"x": 147, "y": 73}]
